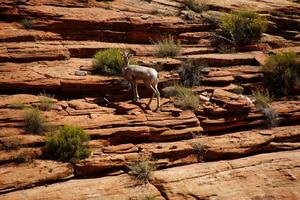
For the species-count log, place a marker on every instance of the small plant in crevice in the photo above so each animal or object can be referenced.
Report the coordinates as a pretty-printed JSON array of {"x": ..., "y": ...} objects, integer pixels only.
[
  {"x": 12, "y": 144},
  {"x": 149, "y": 197},
  {"x": 281, "y": 71},
  {"x": 34, "y": 121},
  {"x": 243, "y": 27},
  {"x": 262, "y": 101},
  {"x": 167, "y": 47},
  {"x": 108, "y": 62},
  {"x": 26, "y": 23},
  {"x": 142, "y": 169},
  {"x": 184, "y": 98},
  {"x": 200, "y": 149},
  {"x": 191, "y": 73},
  {"x": 197, "y": 6},
  {"x": 46, "y": 102},
  {"x": 68, "y": 144},
  {"x": 24, "y": 157},
  {"x": 17, "y": 105}
]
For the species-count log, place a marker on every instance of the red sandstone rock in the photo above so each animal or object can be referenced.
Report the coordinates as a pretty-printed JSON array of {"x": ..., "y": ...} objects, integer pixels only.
[
  {"x": 17, "y": 176},
  {"x": 264, "y": 176}
]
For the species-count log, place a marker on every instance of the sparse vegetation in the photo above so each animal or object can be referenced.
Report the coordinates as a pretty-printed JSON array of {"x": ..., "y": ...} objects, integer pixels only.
[
  {"x": 23, "y": 157},
  {"x": 34, "y": 121},
  {"x": 243, "y": 27},
  {"x": 12, "y": 144},
  {"x": 46, "y": 102},
  {"x": 167, "y": 47},
  {"x": 281, "y": 73},
  {"x": 262, "y": 101},
  {"x": 197, "y": 6},
  {"x": 68, "y": 144},
  {"x": 262, "y": 98},
  {"x": 200, "y": 149},
  {"x": 142, "y": 169},
  {"x": 108, "y": 62},
  {"x": 17, "y": 105},
  {"x": 190, "y": 74},
  {"x": 26, "y": 23},
  {"x": 185, "y": 98},
  {"x": 148, "y": 197}
]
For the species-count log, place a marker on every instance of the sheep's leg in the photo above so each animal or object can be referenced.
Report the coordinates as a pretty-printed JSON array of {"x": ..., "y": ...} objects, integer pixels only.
[
  {"x": 154, "y": 93},
  {"x": 158, "y": 97},
  {"x": 136, "y": 92}
]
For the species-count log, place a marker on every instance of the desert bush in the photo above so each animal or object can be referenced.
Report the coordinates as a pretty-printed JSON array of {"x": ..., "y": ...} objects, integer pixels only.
[
  {"x": 197, "y": 6},
  {"x": 142, "y": 169},
  {"x": 46, "y": 102},
  {"x": 190, "y": 74},
  {"x": 200, "y": 149},
  {"x": 281, "y": 73},
  {"x": 34, "y": 121},
  {"x": 167, "y": 47},
  {"x": 262, "y": 98},
  {"x": 185, "y": 98},
  {"x": 108, "y": 62},
  {"x": 243, "y": 27},
  {"x": 68, "y": 144}
]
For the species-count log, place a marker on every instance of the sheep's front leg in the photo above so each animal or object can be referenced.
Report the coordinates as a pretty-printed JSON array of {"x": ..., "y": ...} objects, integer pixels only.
[{"x": 134, "y": 92}]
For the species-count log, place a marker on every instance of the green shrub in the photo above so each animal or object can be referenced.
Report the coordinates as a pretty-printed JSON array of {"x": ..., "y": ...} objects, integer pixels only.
[
  {"x": 46, "y": 102},
  {"x": 191, "y": 74},
  {"x": 167, "y": 47},
  {"x": 197, "y": 6},
  {"x": 34, "y": 121},
  {"x": 262, "y": 98},
  {"x": 281, "y": 73},
  {"x": 185, "y": 98},
  {"x": 244, "y": 27},
  {"x": 108, "y": 62},
  {"x": 142, "y": 169},
  {"x": 68, "y": 144}
]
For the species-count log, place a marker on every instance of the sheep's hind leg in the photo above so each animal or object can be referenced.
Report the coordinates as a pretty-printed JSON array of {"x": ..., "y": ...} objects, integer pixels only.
[
  {"x": 158, "y": 97},
  {"x": 153, "y": 94}
]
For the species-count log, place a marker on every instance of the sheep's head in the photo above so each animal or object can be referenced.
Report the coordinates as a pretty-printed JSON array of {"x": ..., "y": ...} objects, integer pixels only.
[{"x": 127, "y": 54}]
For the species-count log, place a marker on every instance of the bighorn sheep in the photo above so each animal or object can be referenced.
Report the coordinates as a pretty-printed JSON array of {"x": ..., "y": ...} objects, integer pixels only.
[{"x": 136, "y": 74}]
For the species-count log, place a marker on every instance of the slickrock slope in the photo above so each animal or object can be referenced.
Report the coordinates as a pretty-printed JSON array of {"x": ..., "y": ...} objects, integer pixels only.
[
  {"x": 268, "y": 176},
  {"x": 46, "y": 46}
]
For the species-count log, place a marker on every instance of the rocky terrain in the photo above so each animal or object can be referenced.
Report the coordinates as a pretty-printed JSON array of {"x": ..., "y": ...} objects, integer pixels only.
[{"x": 242, "y": 158}]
